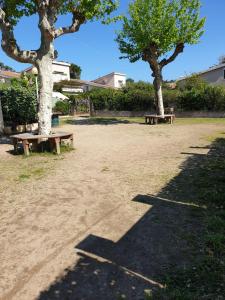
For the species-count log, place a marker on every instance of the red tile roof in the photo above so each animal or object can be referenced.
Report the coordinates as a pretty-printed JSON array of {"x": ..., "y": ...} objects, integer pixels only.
[{"x": 9, "y": 74}]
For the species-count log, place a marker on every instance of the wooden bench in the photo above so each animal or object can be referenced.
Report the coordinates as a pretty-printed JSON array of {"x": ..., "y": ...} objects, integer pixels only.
[
  {"x": 154, "y": 119},
  {"x": 28, "y": 138}
]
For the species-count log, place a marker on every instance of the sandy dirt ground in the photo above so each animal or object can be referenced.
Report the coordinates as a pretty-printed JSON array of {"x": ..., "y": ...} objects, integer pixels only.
[{"x": 94, "y": 226}]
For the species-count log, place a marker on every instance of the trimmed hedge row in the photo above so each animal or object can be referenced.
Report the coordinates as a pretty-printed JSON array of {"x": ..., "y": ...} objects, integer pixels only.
[
  {"x": 195, "y": 95},
  {"x": 19, "y": 103}
]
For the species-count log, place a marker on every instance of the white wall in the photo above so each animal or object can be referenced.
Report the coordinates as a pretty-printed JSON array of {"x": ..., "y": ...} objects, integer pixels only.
[
  {"x": 60, "y": 71},
  {"x": 115, "y": 80},
  {"x": 119, "y": 80}
]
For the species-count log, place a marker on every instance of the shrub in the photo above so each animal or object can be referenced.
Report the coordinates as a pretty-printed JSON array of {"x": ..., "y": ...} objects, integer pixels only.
[
  {"x": 19, "y": 104},
  {"x": 62, "y": 107},
  {"x": 203, "y": 97},
  {"x": 194, "y": 95},
  {"x": 135, "y": 97}
]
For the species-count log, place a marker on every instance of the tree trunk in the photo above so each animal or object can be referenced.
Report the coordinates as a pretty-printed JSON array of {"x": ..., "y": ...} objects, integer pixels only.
[
  {"x": 158, "y": 94},
  {"x": 91, "y": 107},
  {"x": 44, "y": 66},
  {"x": 1, "y": 119}
]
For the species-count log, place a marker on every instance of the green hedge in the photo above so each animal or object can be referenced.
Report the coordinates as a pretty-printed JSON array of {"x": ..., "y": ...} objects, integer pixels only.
[
  {"x": 134, "y": 97},
  {"x": 195, "y": 95},
  {"x": 62, "y": 107},
  {"x": 19, "y": 104},
  {"x": 208, "y": 98}
]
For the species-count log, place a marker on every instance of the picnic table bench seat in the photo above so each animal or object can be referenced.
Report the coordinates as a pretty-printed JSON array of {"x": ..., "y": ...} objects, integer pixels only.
[
  {"x": 153, "y": 119},
  {"x": 28, "y": 138}
]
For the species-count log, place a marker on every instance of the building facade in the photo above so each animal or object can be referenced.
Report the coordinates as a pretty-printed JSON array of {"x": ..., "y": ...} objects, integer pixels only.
[
  {"x": 6, "y": 76},
  {"x": 214, "y": 75},
  {"x": 114, "y": 80},
  {"x": 60, "y": 71}
]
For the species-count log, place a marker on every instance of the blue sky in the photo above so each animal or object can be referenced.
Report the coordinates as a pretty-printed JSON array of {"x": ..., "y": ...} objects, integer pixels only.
[{"x": 94, "y": 48}]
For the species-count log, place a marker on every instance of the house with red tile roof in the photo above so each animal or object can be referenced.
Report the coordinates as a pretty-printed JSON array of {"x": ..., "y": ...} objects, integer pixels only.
[{"x": 6, "y": 76}]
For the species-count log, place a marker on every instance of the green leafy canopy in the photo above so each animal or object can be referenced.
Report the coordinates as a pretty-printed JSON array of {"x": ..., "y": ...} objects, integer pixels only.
[
  {"x": 91, "y": 9},
  {"x": 161, "y": 23}
]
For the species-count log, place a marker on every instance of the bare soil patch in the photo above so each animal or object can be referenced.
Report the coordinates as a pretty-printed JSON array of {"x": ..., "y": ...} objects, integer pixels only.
[{"x": 96, "y": 223}]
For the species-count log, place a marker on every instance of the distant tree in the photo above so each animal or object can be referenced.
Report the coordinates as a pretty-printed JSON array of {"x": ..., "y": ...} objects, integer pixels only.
[
  {"x": 75, "y": 71},
  {"x": 5, "y": 67},
  {"x": 156, "y": 32},
  {"x": 222, "y": 59},
  {"x": 130, "y": 80},
  {"x": 48, "y": 11}
]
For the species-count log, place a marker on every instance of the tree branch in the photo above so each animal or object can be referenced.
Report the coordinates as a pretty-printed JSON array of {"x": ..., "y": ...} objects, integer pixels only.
[
  {"x": 9, "y": 43},
  {"x": 151, "y": 55},
  {"x": 179, "y": 49},
  {"x": 47, "y": 15},
  {"x": 77, "y": 20}
]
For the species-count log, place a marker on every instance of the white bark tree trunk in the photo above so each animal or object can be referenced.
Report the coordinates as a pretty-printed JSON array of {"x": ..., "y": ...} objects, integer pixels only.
[
  {"x": 45, "y": 95},
  {"x": 1, "y": 119},
  {"x": 158, "y": 94}
]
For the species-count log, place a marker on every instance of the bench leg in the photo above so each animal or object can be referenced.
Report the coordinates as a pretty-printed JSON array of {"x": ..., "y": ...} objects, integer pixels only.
[
  {"x": 71, "y": 141},
  {"x": 15, "y": 145},
  {"x": 52, "y": 144},
  {"x": 26, "y": 148},
  {"x": 57, "y": 145}
]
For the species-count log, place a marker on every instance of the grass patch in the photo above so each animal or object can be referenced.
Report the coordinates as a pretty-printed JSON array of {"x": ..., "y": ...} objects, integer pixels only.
[
  {"x": 136, "y": 120},
  {"x": 204, "y": 179},
  {"x": 205, "y": 280},
  {"x": 105, "y": 169},
  {"x": 23, "y": 177},
  {"x": 19, "y": 169},
  {"x": 64, "y": 148},
  {"x": 33, "y": 173},
  {"x": 193, "y": 121},
  {"x": 64, "y": 120}
]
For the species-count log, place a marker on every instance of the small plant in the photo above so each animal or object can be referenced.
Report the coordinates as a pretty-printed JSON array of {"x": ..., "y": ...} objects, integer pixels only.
[
  {"x": 62, "y": 107},
  {"x": 23, "y": 177},
  {"x": 148, "y": 295}
]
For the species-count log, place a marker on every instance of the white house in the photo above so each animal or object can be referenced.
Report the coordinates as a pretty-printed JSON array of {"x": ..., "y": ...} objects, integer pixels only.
[
  {"x": 214, "y": 75},
  {"x": 60, "y": 72},
  {"x": 6, "y": 76},
  {"x": 115, "y": 80}
]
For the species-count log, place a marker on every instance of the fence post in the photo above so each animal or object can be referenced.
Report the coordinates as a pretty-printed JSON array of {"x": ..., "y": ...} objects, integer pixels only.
[{"x": 1, "y": 119}]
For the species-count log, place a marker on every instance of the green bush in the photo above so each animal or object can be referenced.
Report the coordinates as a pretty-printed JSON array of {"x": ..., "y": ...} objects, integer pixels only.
[
  {"x": 19, "y": 104},
  {"x": 205, "y": 97},
  {"x": 194, "y": 95},
  {"x": 62, "y": 107},
  {"x": 135, "y": 97}
]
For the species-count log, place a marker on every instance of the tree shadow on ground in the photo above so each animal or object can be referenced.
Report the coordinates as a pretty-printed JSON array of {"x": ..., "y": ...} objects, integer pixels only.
[
  {"x": 99, "y": 121},
  {"x": 167, "y": 236}
]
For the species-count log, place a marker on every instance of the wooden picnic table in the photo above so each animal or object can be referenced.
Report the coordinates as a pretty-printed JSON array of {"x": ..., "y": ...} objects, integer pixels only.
[
  {"x": 153, "y": 119},
  {"x": 28, "y": 138}
]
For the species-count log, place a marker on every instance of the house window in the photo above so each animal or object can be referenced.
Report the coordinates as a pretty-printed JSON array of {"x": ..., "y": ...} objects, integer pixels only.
[
  {"x": 121, "y": 82},
  {"x": 59, "y": 73}
]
